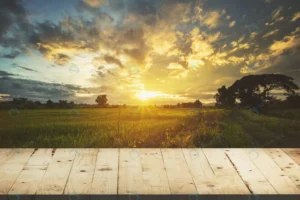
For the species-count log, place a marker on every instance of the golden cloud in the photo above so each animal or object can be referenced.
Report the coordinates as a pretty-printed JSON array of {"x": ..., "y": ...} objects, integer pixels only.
[
  {"x": 94, "y": 3},
  {"x": 232, "y": 24},
  {"x": 296, "y": 17},
  {"x": 271, "y": 33},
  {"x": 289, "y": 42}
]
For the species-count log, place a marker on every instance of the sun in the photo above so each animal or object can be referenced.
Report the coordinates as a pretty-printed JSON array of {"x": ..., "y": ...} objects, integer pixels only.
[{"x": 145, "y": 95}]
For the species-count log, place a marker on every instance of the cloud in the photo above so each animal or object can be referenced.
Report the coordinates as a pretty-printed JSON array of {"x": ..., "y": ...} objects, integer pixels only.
[
  {"x": 211, "y": 19},
  {"x": 4, "y": 73},
  {"x": 61, "y": 59},
  {"x": 175, "y": 66},
  {"x": 94, "y": 3},
  {"x": 169, "y": 41},
  {"x": 25, "y": 68},
  {"x": 276, "y": 15},
  {"x": 289, "y": 43},
  {"x": 270, "y": 33},
  {"x": 112, "y": 60},
  {"x": 232, "y": 24},
  {"x": 11, "y": 12},
  {"x": 11, "y": 55},
  {"x": 38, "y": 90},
  {"x": 296, "y": 17}
]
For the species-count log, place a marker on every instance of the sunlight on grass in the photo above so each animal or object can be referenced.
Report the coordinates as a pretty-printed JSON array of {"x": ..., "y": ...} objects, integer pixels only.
[{"x": 144, "y": 127}]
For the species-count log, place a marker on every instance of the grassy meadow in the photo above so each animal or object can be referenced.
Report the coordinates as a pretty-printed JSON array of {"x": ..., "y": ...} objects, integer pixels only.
[{"x": 148, "y": 127}]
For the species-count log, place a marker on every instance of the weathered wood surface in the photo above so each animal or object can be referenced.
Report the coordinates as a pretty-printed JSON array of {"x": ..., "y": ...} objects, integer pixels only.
[{"x": 149, "y": 171}]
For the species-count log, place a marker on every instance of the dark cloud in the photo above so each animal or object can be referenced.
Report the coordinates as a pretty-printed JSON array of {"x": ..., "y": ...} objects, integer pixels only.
[
  {"x": 37, "y": 90},
  {"x": 4, "y": 73},
  {"x": 142, "y": 7},
  {"x": 61, "y": 59},
  {"x": 50, "y": 32},
  {"x": 16, "y": 86},
  {"x": 15, "y": 26},
  {"x": 11, "y": 55},
  {"x": 113, "y": 60},
  {"x": 42, "y": 91},
  {"x": 25, "y": 68},
  {"x": 288, "y": 65},
  {"x": 11, "y": 11}
]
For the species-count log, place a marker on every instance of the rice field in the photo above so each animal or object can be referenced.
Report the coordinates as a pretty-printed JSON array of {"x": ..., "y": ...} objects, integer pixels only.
[{"x": 147, "y": 127}]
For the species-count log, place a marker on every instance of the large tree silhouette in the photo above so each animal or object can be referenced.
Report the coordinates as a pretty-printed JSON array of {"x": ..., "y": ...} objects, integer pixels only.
[{"x": 255, "y": 90}]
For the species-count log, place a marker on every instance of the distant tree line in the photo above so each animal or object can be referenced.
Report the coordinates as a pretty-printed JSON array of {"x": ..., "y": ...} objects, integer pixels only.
[
  {"x": 196, "y": 104},
  {"x": 28, "y": 104},
  {"x": 24, "y": 103}
]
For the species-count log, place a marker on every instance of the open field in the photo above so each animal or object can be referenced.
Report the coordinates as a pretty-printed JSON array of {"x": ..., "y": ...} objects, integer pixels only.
[{"x": 148, "y": 127}]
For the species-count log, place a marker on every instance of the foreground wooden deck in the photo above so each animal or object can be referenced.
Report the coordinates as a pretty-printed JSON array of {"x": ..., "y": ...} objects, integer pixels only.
[{"x": 149, "y": 171}]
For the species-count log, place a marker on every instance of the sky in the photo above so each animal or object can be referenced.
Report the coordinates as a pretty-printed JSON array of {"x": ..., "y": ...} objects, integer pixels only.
[{"x": 142, "y": 51}]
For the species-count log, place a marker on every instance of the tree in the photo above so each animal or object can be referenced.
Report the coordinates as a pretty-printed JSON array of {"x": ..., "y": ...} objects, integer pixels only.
[
  {"x": 19, "y": 101},
  {"x": 63, "y": 103},
  {"x": 49, "y": 104},
  {"x": 198, "y": 104},
  {"x": 72, "y": 104},
  {"x": 102, "y": 100},
  {"x": 255, "y": 90},
  {"x": 225, "y": 97},
  {"x": 292, "y": 101}
]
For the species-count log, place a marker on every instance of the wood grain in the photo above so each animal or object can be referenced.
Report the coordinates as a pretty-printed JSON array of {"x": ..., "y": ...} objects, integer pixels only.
[
  {"x": 277, "y": 178},
  {"x": 57, "y": 174},
  {"x": 33, "y": 172},
  {"x": 180, "y": 179},
  {"x": 11, "y": 166},
  {"x": 250, "y": 174},
  {"x": 294, "y": 154},
  {"x": 105, "y": 180},
  {"x": 136, "y": 172},
  {"x": 286, "y": 164},
  {"x": 229, "y": 181},
  {"x": 82, "y": 172}
]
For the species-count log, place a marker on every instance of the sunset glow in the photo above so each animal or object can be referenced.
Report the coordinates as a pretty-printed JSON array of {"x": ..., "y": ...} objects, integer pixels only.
[
  {"x": 145, "y": 95},
  {"x": 140, "y": 50}
]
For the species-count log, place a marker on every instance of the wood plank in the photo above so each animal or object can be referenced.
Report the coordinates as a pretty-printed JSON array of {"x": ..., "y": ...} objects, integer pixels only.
[
  {"x": 33, "y": 172},
  {"x": 82, "y": 172},
  {"x": 105, "y": 180},
  {"x": 142, "y": 172},
  {"x": 130, "y": 172},
  {"x": 294, "y": 154},
  {"x": 4, "y": 154},
  {"x": 286, "y": 164},
  {"x": 155, "y": 178},
  {"x": 202, "y": 173},
  {"x": 41, "y": 157},
  {"x": 229, "y": 181},
  {"x": 180, "y": 179},
  {"x": 280, "y": 182},
  {"x": 11, "y": 167},
  {"x": 250, "y": 174},
  {"x": 149, "y": 171},
  {"x": 57, "y": 174}
]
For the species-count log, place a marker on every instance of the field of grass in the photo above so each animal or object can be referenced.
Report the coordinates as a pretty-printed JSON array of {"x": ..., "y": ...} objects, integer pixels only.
[{"x": 148, "y": 127}]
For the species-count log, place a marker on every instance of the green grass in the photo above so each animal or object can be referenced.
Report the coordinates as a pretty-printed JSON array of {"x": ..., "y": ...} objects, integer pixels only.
[{"x": 148, "y": 127}]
